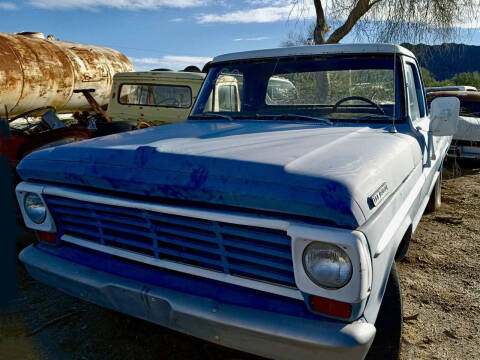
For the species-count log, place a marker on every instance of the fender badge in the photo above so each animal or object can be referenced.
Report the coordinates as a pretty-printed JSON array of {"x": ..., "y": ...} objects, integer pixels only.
[{"x": 378, "y": 195}]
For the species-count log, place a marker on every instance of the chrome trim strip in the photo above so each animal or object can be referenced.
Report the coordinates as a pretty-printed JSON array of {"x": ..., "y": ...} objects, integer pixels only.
[{"x": 221, "y": 216}]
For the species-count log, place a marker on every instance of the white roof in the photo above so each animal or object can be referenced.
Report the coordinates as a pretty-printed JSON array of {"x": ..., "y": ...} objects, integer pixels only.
[
  {"x": 316, "y": 50},
  {"x": 161, "y": 75},
  {"x": 452, "y": 87}
]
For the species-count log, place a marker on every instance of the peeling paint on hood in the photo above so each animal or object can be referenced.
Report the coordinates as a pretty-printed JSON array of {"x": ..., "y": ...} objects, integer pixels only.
[{"x": 295, "y": 168}]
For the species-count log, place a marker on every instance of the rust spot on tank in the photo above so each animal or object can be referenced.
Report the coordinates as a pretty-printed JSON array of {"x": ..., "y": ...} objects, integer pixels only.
[{"x": 35, "y": 72}]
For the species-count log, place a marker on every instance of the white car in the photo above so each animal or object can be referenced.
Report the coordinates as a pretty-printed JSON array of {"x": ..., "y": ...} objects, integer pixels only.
[
  {"x": 466, "y": 141},
  {"x": 271, "y": 226}
]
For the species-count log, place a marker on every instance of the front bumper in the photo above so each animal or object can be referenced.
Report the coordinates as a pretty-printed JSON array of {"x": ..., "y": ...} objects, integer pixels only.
[{"x": 259, "y": 332}]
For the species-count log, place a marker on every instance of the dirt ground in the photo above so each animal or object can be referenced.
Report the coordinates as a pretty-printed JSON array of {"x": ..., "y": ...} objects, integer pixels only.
[
  {"x": 441, "y": 295},
  {"x": 441, "y": 274}
]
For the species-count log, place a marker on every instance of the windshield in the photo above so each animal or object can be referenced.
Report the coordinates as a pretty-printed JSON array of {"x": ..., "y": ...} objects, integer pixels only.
[
  {"x": 354, "y": 88},
  {"x": 155, "y": 95}
]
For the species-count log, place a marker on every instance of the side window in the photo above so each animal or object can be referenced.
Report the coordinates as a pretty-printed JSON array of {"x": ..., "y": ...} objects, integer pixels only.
[
  {"x": 227, "y": 92},
  {"x": 233, "y": 96},
  {"x": 280, "y": 91},
  {"x": 416, "y": 103}
]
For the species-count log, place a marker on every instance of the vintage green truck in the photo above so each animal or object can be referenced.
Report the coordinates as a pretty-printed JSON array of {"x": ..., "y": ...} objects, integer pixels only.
[{"x": 154, "y": 97}]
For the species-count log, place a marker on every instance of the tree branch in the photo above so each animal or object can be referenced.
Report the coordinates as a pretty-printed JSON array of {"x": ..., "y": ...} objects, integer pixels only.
[
  {"x": 319, "y": 11},
  {"x": 360, "y": 9},
  {"x": 322, "y": 27}
]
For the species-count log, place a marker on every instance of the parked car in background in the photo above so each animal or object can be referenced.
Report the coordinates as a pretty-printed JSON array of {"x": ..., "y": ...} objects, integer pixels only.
[
  {"x": 154, "y": 97},
  {"x": 466, "y": 141},
  {"x": 271, "y": 226},
  {"x": 450, "y": 88},
  {"x": 229, "y": 91}
]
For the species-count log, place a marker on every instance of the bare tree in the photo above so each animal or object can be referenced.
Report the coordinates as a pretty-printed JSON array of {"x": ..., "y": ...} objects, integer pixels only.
[{"x": 389, "y": 20}]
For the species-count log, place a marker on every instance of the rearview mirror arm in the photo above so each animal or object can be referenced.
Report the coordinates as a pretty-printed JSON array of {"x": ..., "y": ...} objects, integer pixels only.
[
  {"x": 430, "y": 148},
  {"x": 428, "y": 163},
  {"x": 431, "y": 154}
]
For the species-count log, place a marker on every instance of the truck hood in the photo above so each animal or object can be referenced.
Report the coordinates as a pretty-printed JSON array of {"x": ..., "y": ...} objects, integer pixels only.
[{"x": 314, "y": 170}]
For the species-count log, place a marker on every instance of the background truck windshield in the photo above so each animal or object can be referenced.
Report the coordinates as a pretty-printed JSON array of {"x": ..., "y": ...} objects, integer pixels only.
[
  {"x": 470, "y": 108},
  {"x": 338, "y": 88},
  {"x": 155, "y": 95}
]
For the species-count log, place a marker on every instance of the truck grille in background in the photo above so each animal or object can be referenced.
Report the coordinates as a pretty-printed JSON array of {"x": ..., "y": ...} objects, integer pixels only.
[{"x": 248, "y": 251}]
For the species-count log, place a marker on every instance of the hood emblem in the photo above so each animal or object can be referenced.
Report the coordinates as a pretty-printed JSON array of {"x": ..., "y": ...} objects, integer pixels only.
[{"x": 378, "y": 195}]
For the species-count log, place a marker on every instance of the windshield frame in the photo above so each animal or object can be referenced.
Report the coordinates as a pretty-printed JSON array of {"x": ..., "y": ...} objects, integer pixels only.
[{"x": 399, "y": 106}]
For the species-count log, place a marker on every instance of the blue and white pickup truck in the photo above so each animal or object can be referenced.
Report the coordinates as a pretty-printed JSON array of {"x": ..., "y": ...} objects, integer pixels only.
[{"x": 269, "y": 221}]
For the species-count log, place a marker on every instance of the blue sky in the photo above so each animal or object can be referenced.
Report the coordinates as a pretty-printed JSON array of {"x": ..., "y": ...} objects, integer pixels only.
[{"x": 164, "y": 33}]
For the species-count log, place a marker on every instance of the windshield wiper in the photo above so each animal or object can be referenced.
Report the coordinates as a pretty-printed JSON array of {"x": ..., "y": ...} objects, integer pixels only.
[
  {"x": 298, "y": 116},
  {"x": 211, "y": 115},
  {"x": 375, "y": 117},
  {"x": 305, "y": 117}
]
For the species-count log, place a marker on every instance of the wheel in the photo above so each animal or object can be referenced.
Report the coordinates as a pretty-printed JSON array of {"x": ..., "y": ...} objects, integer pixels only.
[
  {"x": 115, "y": 127},
  {"x": 435, "y": 200},
  {"x": 404, "y": 245},
  {"x": 387, "y": 342}
]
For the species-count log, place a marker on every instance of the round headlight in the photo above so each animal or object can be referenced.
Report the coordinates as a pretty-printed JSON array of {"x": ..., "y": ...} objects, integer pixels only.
[
  {"x": 35, "y": 208},
  {"x": 327, "y": 265}
]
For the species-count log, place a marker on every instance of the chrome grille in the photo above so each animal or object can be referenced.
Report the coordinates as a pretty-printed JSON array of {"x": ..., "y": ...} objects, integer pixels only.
[{"x": 249, "y": 251}]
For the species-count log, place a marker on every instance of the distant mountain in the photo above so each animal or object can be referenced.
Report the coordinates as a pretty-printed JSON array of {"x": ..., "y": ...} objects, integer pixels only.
[{"x": 446, "y": 60}]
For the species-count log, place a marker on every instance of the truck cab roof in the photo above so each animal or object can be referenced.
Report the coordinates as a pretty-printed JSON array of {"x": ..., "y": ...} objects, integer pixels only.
[
  {"x": 334, "y": 49},
  {"x": 158, "y": 75}
]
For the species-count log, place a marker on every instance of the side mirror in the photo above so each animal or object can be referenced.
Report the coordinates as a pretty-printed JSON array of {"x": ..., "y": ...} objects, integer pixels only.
[{"x": 444, "y": 113}]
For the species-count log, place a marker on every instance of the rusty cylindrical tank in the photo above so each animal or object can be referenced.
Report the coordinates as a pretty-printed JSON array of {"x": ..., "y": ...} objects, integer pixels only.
[{"x": 35, "y": 72}]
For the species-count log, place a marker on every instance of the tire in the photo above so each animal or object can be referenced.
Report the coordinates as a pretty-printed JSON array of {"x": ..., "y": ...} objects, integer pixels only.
[
  {"x": 404, "y": 245},
  {"x": 435, "y": 201},
  {"x": 388, "y": 339},
  {"x": 115, "y": 127}
]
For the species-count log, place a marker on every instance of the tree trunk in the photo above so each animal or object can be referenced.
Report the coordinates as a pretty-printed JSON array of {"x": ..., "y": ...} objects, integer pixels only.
[
  {"x": 319, "y": 34},
  {"x": 321, "y": 27},
  {"x": 323, "y": 85},
  {"x": 319, "y": 37}
]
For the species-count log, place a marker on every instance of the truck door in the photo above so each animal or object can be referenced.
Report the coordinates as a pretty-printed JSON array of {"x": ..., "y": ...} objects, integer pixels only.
[{"x": 417, "y": 109}]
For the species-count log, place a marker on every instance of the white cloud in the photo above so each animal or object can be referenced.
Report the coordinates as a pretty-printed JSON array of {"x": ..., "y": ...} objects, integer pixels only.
[
  {"x": 173, "y": 62},
  {"x": 268, "y": 14},
  {"x": 260, "y": 38},
  {"x": 267, "y": 2},
  {"x": 472, "y": 22},
  {"x": 259, "y": 2},
  {"x": 268, "y": 11},
  {"x": 176, "y": 20},
  {"x": 8, "y": 6},
  {"x": 118, "y": 4}
]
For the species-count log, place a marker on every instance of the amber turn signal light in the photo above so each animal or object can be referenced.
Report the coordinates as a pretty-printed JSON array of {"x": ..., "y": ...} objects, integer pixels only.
[{"x": 330, "y": 307}]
